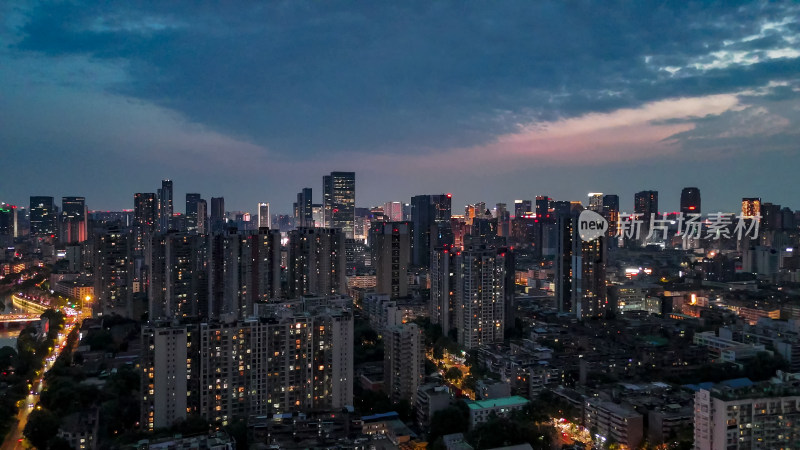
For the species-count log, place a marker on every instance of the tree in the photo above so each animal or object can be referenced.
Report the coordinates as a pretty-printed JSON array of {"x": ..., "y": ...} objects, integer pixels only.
[
  {"x": 453, "y": 374},
  {"x": 42, "y": 426},
  {"x": 453, "y": 419}
]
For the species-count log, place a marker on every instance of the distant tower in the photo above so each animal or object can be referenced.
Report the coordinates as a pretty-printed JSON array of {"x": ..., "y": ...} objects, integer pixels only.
[
  {"x": 751, "y": 206},
  {"x": 165, "y": 206},
  {"x": 217, "y": 214},
  {"x": 43, "y": 216},
  {"x": 690, "y": 200},
  {"x": 391, "y": 250},
  {"x": 596, "y": 202},
  {"x": 73, "y": 219},
  {"x": 264, "y": 218},
  {"x": 522, "y": 208},
  {"x": 339, "y": 201},
  {"x": 145, "y": 210},
  {"x": 646, "y": 204},
  {"x": 580, "y": 271},
  {"x": 192, "y": 221},
  {"x": 304, "y": 209}
]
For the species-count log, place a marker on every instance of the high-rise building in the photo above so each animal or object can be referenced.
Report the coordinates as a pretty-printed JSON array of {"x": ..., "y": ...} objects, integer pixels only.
[
  {"x": 178, "y": 285},
  {"x": 295, "y": 357},
  {"x": 217, "y": 215},
  {"x": 391, "y": 253},
  {"x": 264, "y": 218},
  {"x": 751, "y": 206},
  {"x": 339, "y": 201},
  {"x": 8, "y": 220},
  {"x": 393, "y": 211},
  {"x": 596, "y": 202},
  {"x": 422, "y": 216},
  {"x": 611, "y": 213},
  {"x": 580, "y": 271},
  {"x": 304, "y": 210},
  {"x": 192, "y": 218},
  {"x": 543, "y": 207},
  {"x": 244, "y": 269},
  {"x": 480, "y": 296},
  {"x": 403, "y": 361},
  {"x": 747, "y": 416},
  {"x": 442, "y": 208},
  {"x": 523, "y": 208},
  {"x": 43, "y": 216},
  {"x": 165, "y": 206},
  {"x": 690, "y": 200},
  {"x": 168, "y": 381},
  {"x": 145, "y": 210},
  {"x": 74, "y": 220},
  {"x": 442, "y": 307},
  {"x": 113, "y": 270},
  {"x": 646, "y": 204},
  {"x": 317, "y": 262},
  {"x": 503, "y": 218}
]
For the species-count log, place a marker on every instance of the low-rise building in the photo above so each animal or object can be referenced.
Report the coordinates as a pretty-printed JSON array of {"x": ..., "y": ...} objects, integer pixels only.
[{"x": 481, "y": 410}]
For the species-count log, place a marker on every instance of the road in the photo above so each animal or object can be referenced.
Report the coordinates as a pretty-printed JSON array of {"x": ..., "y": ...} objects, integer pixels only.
[{"x": 14, "y": 437}]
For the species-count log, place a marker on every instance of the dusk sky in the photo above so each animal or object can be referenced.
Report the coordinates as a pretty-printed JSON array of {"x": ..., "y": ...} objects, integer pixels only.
[{"x": 491, "y": 100}]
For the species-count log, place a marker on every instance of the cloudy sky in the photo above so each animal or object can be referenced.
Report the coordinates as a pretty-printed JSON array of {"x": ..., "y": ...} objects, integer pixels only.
[{"x": 491, "y": 101}]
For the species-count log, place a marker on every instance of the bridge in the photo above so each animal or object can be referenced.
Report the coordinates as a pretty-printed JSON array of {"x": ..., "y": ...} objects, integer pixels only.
[
  {"x": 28, "y": 305},
  {"x": 7, "y": 320}
]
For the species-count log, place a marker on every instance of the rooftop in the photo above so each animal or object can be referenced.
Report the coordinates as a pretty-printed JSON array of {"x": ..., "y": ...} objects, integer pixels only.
[{"x": 514, "y": 400}]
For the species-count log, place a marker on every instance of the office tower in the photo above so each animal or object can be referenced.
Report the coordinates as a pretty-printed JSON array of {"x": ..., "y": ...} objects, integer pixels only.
[
  {"x": 264, "y": 218},
  {"x": 112, "y": 273},
  {"x": 202, "y": 217},
  {"x": 646, "y": 204},
  {"x": 391, "y": 253},
  {"x": 480, "y": 296},
  {"x": 318, "y": 214},
  {"x": 542, "y": 207},
  {"x": 690, "y": 200},
  {"x": 403, "y": 361},
  {"x": 393, "y": 211},
  {"x": 192, "y": 220},
  {"x": 422, "y": 216},
  {"x": 580, "y": 271},
  {"x": 787, "y": 219},
  {"x": 165, "y": 207},
  {"x": 43, "y": 216},
  {"x": 8, "y": 220},
  {"x": 596, "y": 202},
  {"x": 611, "y": 213},
  {"x": 168, "y": 380},
  {"x": 747, "y": 416},
  {"x": 442, "y": 208},
  {"x": 560, "y": 208},
  {"x": 339, "y": 201},
  {"x": 304, "y": 210},
  {"x": 523, "y": 207},
  {"x": 770, "y": 216},
  {"x": 217, "y": 220},
  {"x": 145, "y": 210},
  {"x": 316, "y": 262},
  {"x": 244, "y": 270},
  {"x": 178, "y": 285},
  {"x": 73, "y": 226},
  {"x": 442, "y": 306},
  {"x": 751, "y": 206},
  {"x": 503, "y": 220}
]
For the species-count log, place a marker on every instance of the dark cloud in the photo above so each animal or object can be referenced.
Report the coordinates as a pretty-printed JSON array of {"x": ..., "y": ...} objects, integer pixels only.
[{"x": 310, "y": 77}]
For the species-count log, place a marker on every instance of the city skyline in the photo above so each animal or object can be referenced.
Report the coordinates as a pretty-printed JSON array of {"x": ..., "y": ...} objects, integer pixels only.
[{"x": 254, "y": 103}]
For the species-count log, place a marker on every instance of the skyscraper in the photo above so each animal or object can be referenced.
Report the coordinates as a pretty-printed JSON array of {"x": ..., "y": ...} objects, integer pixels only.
[
  {"x": 178, "y": 285},
  {"x": 480, "y": 296},
  {"x": 611, "y": 213},
  {"x": 217, "y": 214},
  {"x": 522, "y": 208},
  {"x": 192, "y": 201},
  {"x": 442, "y": 307},
  {"x": 316, "y": 262},
  {"x": 202, "y": 217},
  {"x": 304, "y": 210},
  {"x": 690, "y": 200},
  {"x": 393, "y": 211},
  {"x": 422, "y": 216},
  {"x": 596, "y": 202},
  {"x": 264, "y": 218},
  {"x": 750, "y": 206},
  {"x": 113, "y": 273},
  {"x": 43, "y": 216},
  {"x": 165, "y": 207},
  {"x": 391, "y": 253},
  {"x": 442, "y": 208},
  {"x": 145, "y": 210},
  {"x": 403, "y": 361},
  {"x": 8, "y": 220},
  {"x": 646, "y": 204},
  {"x": 580, "y": 271},
  {"x": 339, "y": 201},
  {"x": 542, "y": 207},
  {"x": 74, "y": 220}
]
